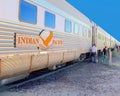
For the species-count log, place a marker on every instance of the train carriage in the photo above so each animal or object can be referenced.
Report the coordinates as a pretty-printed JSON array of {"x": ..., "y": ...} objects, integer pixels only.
[
  {"x": 37, "y": 34},
  {"x": 103, "y": 39}
]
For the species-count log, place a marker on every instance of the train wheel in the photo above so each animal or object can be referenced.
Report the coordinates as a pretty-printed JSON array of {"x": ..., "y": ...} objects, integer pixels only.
[{"x": 82, "y": 57}]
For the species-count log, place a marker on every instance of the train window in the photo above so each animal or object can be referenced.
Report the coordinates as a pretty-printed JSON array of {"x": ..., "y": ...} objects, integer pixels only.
[
  {"x": 49, "y": 20},
  {"x": 99, "y": 36},
  {"x": 85, "y": 32},
  {"x": 28, "y": 12},
  {"x": 103, "y": 37},
  {"x": 80, "y": 30},
  {"x": 89, "y": 33},
  {"x": 68, "y": 26},
  {"x": 76, "y": 28}
]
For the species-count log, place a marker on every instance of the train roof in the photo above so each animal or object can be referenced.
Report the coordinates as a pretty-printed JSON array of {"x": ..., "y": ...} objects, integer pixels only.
[
  {"x": 66, "y": 7},
  {"x": 63, "y": 8}
]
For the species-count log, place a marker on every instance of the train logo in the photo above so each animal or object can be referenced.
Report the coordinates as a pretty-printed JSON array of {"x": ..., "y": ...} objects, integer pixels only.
[
  {"x": 47, "y": 39},
  {"x": 44, "y": 41}
]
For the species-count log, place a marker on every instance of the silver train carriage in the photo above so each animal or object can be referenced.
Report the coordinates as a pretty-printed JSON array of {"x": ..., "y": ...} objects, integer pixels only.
[{"x": 37, "y": 34}]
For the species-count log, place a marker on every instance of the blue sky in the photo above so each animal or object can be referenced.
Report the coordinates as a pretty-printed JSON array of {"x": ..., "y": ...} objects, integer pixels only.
[{"x": 105, "y": 13}]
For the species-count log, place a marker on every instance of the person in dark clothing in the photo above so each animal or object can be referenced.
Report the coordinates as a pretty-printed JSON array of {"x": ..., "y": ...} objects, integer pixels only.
[
  {"x": 105, "y": 55},
  {"x": 105, "y": 51}
]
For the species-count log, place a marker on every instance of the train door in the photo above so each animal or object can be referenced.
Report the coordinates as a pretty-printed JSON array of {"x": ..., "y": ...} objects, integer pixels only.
[{"x": 94, "y": 35}]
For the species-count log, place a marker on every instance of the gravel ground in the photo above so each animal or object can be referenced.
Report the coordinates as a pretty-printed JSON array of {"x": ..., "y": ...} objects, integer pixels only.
[{"x": 87, "y": 79}]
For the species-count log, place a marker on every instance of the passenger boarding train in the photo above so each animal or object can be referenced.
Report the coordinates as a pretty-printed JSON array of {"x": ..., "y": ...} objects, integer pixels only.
[{"x": 37, "y": 34}]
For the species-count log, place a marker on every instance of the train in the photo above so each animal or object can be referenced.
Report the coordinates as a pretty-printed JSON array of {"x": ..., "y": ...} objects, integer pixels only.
[{"x": 38, "y": 34}]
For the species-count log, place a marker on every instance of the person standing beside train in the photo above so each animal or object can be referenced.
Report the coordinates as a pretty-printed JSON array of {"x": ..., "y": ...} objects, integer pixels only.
[
  {"x": 94, "y": 53},
  {"x": 105, "y": 52}
]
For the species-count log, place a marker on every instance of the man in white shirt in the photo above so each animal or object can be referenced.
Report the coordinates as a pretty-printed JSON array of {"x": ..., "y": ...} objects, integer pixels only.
[{"x": 94, "y": 53}]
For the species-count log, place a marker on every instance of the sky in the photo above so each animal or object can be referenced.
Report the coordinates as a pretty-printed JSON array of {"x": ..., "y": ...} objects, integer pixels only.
[{"x": 105, "y": 13}]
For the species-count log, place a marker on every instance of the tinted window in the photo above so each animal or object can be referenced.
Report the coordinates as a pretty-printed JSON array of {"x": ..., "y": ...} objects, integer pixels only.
[
  {"x": 89, "y": 33},
  {"x": 49, "y": 20},
  {"x": 84, "y": 31},
  {"x": 76, "y": 28},
  {"x": 80, "y": 30},
  {"x": 99, "y": 36},
  {"x": 67, "y": 26},
  {"x": 28, "y": 12}
]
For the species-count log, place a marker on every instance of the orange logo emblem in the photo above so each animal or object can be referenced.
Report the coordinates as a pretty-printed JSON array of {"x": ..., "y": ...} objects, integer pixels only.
[
  {"x": 47, "y": 39},
  {"x": 44, "y": 41}
]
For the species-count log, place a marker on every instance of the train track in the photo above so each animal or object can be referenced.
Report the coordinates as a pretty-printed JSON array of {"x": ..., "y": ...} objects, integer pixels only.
[{"x": 39, "y": 75}]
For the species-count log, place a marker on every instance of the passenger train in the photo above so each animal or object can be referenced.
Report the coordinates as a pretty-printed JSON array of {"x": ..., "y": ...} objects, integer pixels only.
[{"x": 38, "y": 34}]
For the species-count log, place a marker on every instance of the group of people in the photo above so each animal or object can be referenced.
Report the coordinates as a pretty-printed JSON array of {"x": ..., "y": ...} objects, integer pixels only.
[{"x": 94, "y": 54}]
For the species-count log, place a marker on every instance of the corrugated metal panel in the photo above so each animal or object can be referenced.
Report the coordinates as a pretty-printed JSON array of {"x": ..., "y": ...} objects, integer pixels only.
[
  {"x": 39, "y": 62},
  {"x": 7, "y": 31},
  {"x": 14, "y": 66}
]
